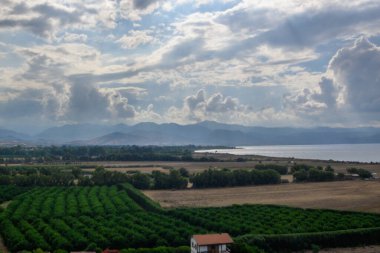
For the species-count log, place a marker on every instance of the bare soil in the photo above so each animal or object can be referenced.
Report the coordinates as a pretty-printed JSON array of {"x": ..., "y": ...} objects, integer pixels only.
[{"x": 341, "y": 195}]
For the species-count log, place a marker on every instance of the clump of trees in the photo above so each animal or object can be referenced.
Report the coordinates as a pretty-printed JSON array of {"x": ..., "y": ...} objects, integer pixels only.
[
  {"x": 173, "y": 180},
  {"x": 314, "y": 175},
  {"x": 300, "y": 167},
  {"x": 361, "y": 172},
  {"x": 227, "y": 177},
  {"x": 305, "y": 173}
]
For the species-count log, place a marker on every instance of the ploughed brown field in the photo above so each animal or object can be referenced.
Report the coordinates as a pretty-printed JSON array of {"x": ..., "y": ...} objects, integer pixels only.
[{"x": 341, "y": 195}]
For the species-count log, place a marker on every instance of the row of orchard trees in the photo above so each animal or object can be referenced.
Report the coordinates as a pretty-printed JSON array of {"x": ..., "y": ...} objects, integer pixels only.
[
  {"x": 87, "y": 218},
  {"x": 69, "y": 175},
  {"x": 227, "y": 177}
]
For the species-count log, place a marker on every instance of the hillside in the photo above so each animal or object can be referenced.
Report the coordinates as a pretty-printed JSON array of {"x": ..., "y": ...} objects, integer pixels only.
[{"x": 203, "y": 133}]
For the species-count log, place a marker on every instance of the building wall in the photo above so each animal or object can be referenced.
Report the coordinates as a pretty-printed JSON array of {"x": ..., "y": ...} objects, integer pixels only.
[
  {"x": 196, "y": 249},
  {"x": 193, "y": 246}
]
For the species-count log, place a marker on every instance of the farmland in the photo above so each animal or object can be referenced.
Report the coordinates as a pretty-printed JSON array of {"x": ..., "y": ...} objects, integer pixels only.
[
  {"x": 341, "y": 195},
  {"x": 225, "y": 161},
  {"x": 93, "y": 205},
  {"x": 119, "y": 216},
  {"x": 77, "y": 218}
]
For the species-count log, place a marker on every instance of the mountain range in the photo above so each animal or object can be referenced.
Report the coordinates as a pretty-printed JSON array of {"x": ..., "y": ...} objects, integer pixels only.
[{"x": 203, "y": 133}]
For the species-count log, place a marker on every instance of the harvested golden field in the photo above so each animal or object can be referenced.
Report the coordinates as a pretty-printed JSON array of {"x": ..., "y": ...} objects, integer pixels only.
[{"x": 341, "y": 195}]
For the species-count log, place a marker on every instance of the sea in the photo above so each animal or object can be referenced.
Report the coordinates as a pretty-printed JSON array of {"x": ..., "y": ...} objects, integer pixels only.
[{"x": 337, "y": 152}]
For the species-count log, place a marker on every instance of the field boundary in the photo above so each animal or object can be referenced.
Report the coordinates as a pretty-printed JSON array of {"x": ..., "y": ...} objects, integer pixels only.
[
  {"x": 141, "y": 199},
  {"x": 300, "y": 241}
]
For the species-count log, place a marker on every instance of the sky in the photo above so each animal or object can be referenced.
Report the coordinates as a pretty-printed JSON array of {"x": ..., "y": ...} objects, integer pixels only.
[{"x": 259, "y": 63}]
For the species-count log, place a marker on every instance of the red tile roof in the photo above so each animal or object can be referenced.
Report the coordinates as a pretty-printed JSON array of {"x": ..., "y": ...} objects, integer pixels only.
[
  {"x": 110, "y": 251},
  {"x": 212, "y": 239}
]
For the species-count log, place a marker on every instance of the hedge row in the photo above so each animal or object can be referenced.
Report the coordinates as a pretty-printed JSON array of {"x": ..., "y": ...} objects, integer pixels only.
[
  {"x": 293, "y": 242},
  {"x": 141, "y": 199},
  {"x": 181, "y": 249}
]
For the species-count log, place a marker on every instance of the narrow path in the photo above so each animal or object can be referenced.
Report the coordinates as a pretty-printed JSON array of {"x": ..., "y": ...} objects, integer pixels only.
[
  {"x": 5, "y": 204},
  {"x": 3, "y": 248}
]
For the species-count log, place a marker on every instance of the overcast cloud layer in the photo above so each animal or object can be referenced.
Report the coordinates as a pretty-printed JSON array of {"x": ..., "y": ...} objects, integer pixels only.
[{"x": 268, "y": 63}]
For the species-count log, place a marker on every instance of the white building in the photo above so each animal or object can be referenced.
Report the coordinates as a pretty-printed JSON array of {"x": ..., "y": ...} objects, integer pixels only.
[{"x": 211, "y": 243}]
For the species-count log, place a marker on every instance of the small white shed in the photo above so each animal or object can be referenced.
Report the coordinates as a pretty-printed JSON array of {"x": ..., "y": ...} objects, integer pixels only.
[{"x": 211, "y": 243}]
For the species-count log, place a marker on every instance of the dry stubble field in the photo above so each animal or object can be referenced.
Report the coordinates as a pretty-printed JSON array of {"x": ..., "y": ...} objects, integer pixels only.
[{"x": 341, "y": 195}]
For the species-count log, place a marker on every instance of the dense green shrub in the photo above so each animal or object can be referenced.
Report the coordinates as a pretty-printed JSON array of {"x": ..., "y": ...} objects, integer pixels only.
[
  {"x": 181, "y": 249},
  {"x": 361, "y": 172},
  {"x": 226, "y": 177},
  {"x": 141, "y": 199},
  {"x": 314, "y": 175},
  {"x": 298, "y": 167},
  {"x": 295, "y": 242}
]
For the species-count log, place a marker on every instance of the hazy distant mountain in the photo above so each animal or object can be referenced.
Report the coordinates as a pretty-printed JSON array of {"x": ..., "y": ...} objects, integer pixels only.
[
  {"x": 204, "y": 133},
  {"x": 11, "y": 135},
  {"x": 69, "y": 133},
  {"x": 12, "y": 138}
]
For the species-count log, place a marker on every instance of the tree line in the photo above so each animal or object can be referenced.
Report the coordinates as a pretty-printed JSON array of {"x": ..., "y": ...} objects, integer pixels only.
[
  {"x": 73, "y": 175},
  {"x": 307, "y": 173},
  {"x": 101, "y": 153},
  {"x": 239, "y": 177}
]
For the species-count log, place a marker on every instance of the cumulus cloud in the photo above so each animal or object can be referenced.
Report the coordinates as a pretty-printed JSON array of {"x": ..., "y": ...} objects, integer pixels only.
[
  {"x": 59, "y": 96},
  {"x": 350, "y": 90},
  {"x": 135, "y": 38},
  {"x": 87, "y": 102},
  {"x": 199, "y": 106},
  {"x": 356, "y": 70},
  {"x": 75, "y": 68},
  {"x": 74, "y": 37}
]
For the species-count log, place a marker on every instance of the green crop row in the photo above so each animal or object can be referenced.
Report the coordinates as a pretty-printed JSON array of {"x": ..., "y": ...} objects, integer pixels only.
[
  {"x": 93, "y": 217},
  {"x": 266, "y": 219},
  {"x": 297, "y": 242}
]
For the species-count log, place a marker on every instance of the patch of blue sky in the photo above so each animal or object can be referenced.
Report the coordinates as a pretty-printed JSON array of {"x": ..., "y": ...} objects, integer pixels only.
[{"x": 20, "y": 38}]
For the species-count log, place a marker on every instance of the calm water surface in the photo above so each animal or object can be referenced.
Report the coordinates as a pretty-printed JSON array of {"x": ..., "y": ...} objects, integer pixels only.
[{"x": 337, "y": 152}]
